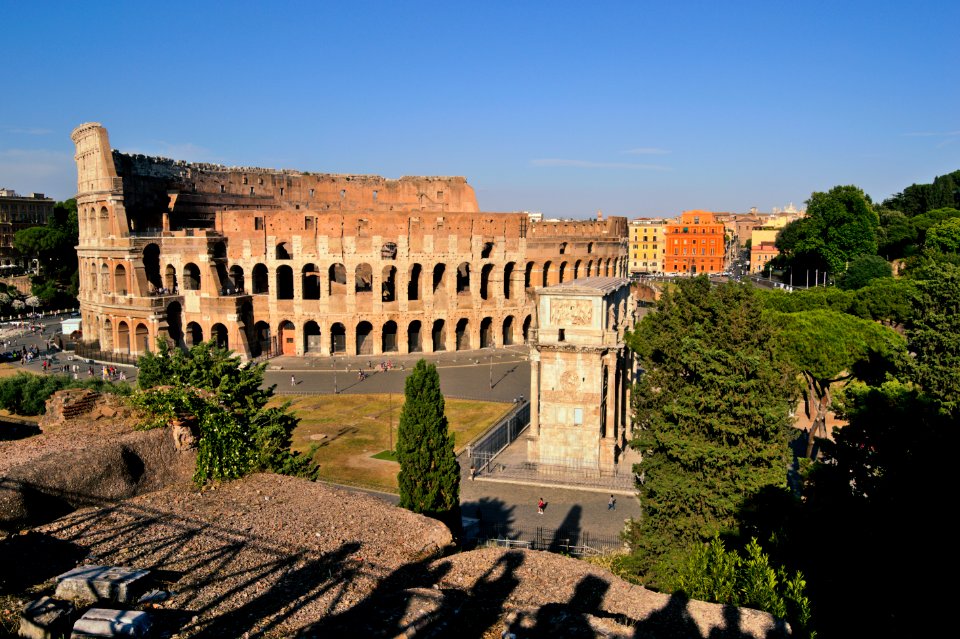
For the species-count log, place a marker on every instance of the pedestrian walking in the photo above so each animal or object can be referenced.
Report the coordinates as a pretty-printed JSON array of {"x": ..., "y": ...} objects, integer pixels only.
[
  {"x": 612, "y": 504},
  {"x": 540, "y": 506},
  {"x": 293, "y": 380}
]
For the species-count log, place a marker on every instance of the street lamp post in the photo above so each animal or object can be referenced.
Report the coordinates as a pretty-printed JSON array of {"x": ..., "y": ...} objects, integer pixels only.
[{"x": 493, "y": 347}]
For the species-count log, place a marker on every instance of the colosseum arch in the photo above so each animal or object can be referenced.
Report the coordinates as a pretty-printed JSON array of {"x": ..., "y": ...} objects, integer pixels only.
[
  {"x": 263, "y": 342},
  {"x": 577, "y": 266},
  {"x": 191, "y": 277},
  {"x": 310, "y": 282},
  {"x": 562, "y": 277},
  {"x": 170, "y": 280},
  {"x": 388, "y": 338},
  {"x": 506, "y": 335},
  {"x": 218, "y": 332},
  {"x": 284, "y": 282},
  {"x": 563, "y": 248},
  {"x": 151, "y": 265},
  {"x": 438, "y": 334},
  {"x": 283, "y": 252},
  {"x": 486, "y": 251},
  {"x": 528, "y": 275},
  {"x": 261, "y": 280},
  {"x": 415, "y": 337},
  {"x": 312, "y": 340},
  {"x": 526, "y": 329},
  {"x": 508, "y": 280},
  {"x": 338, "y": 338},
  {"x": 123, "y": 338},
  {"x": 463, "y": 334},
  {"x": 142, "y": 339},
  {"x": 104, "y": 222},
  {"x": 388, "y": 284},
  {"x": 485, "y": 274},
  {"x": 364, "y": 338},
  {"x": 486, "y": 333},
  {"x": 415, "y": 283},
  {"x": 219, "y": 250},
  {"x": 175, "y": 323},
  {"x": 193, "y": 335},
  {"x": 363, "y": 282},
  {"x": 236, "y": 278},
  {"x": 105, "y": 278},
  {"x": 546, "y": 274},
  {"x": 463, "y": 278},
  {"x": 287, "y": 336},
  {"x": 440, "y": 281},
  {"x": 120, "y": 279},
  {"x": 337, "y": 280}
]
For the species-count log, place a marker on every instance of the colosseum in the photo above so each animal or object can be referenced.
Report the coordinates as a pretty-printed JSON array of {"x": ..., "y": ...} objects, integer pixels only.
[{"x": 296, "y": 263}]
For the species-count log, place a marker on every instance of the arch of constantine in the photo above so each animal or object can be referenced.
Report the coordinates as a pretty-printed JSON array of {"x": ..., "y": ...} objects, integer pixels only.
[{"x": 279, "y": 261}]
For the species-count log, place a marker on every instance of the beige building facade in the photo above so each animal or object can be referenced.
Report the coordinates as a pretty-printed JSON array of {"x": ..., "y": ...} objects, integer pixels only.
[
  {"x": 581, "y": 373},
  {"x": 279, "y": 261},
  {"x": 647, "y": 247},
  {"x": 18, "y": 212}
]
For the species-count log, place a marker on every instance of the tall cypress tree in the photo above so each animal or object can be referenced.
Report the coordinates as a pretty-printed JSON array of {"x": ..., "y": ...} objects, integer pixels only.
[{"x": 429, "y": 473}]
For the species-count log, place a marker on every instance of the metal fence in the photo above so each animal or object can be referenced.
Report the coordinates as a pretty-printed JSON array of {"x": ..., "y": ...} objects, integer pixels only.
[
  {"x": 571, "y": 472},
  {"x": 568, "y": 541},
  {"x": 497, "y": 438},
  {"x": 87, "y": 351}
]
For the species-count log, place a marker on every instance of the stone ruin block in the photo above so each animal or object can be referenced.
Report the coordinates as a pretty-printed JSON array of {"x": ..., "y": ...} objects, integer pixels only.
[
  {"x": 46, "y": 618},
  {"x": 100, "y": 622},
  {"x": 95, "y": 583}
]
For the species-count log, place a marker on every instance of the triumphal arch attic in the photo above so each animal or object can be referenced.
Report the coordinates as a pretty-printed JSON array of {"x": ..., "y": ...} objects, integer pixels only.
[{"x": 279, "y": 261}]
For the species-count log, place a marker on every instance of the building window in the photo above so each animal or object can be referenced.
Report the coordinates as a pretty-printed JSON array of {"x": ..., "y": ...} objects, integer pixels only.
[
  {"x": 311, "y": 192},
  {"x": 251, "y": 190},
  {"x": 375, "y": 194},
  {"x": 561, "y": 335},
  {"x": 223, "y": 188},
  {"x": 257, "y": 222},
  {"x": 308, "y": 223},
  {"x": 281, "y": 191},
  {"x": 244, "y": 179}
]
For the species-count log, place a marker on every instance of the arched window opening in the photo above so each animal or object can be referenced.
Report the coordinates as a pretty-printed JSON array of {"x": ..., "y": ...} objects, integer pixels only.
[
  {"x": 507, "y": 336},
  {"x": 414, "y": 337},
  {"x": 487, "y": 250},
  {"x": 485, "y": 273},
  {"x": 463, "y": 279},
  {"x": 175, "y": 324},
  {"x": 337, "y": 279},
  {"x": 388, "y": 338},
  {"x": 528, "y": 275},
  {"x": 388, "y": 284},
  {"x": 463, "y": 334},
  {"x": 486, "y": 333},
  {"x": 364, "y": 342},
  {"x": 151, "y": 265},
  {"x": 264, "y": 339},
  {"x": 142, "y": 344},
  {"x": 120, "y": 280},
  {"x": 123, "y": 338},
  {"x": 287, "y": 335},
  {"x": 236, "y": 280},
  {"x": 563, "y": 272},
  {"x": 508, "y": 280},
  {"x": 283, "y": 253},
  {"x": 563, "y": 248},
  {"x": 338, "y": 338},
  {"x": 284, "y": 283},
  {"x": 261, "y": 280},
  {"x": 220, "y": 251},
  {"x": 105, "y": 278},
  {"x": 526, "y": 329},
  {"x": 106, "y": 336},
  {"x": 546, "y": 274},
  {"x": 388, "y": 251},
  {"x": 170, "y": 281},
  {"x": 413, "y": 285},
  {"x": 312, "y": 341},
  {"x": 577, "y": 266},
  {"x": 364, "y": 279},
  {"x": 439, "y": 336},
  {"x": 219, "y": 334},
  {"x": 439, "y": 278},
  {"x": 310, "y": 282},
  {"x": 194, "y": 335}
]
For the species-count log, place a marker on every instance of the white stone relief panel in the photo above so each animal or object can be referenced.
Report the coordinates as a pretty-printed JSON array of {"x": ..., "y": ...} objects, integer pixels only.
[{"x": 571, "y": 313}]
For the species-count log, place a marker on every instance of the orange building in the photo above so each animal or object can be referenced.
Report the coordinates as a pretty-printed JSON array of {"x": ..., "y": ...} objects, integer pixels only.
[{"x": 695, "y": 244}]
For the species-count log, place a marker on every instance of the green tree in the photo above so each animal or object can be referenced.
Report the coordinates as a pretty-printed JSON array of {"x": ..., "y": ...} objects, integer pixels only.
[
  {"x": 829, "y": 347},
  {"x": 863, "y": 270},
  {"x": 54, "y": 245},
  {"x": 711, "y": 413},
  {"x": 840, "y": 226},
  {"x": 945, "y": 236},
  {"x": 713, "y": 573},
  {"x": 226, "y": 398},
  {"x": 429, "y": 475}
]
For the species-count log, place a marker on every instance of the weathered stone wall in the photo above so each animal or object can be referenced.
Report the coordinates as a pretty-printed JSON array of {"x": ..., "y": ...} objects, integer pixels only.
[{"x": 299, "y": 263}]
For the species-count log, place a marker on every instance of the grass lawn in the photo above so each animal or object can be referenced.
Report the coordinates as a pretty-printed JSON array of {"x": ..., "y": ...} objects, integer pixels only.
[{"x": 346, "y": 431}]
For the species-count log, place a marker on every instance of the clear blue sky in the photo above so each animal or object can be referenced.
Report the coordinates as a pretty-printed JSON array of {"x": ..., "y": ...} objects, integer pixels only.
[{"x": 633, "y": 108}]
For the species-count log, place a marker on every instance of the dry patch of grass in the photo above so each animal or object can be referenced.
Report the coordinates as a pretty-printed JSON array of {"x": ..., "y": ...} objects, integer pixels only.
[{"x": 345, "y": 431}]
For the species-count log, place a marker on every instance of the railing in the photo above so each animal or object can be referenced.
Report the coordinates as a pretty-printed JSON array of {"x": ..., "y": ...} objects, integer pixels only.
[
  {"x": 568, "y": 541},
  {"x": 86, "y": 351},
  {"x": 498, "y": 437}
]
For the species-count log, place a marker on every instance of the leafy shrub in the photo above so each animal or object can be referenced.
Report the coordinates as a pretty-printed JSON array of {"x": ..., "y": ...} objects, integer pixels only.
[{"x": 27, "y": 394}]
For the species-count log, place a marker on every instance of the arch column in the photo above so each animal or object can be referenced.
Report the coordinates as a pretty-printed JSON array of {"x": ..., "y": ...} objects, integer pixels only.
[
  {"x": 611, "y": 396},
  {"x": 535, "y": 393}
]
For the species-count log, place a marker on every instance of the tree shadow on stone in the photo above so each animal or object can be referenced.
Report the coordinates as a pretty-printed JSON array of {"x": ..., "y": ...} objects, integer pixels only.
[
  {"x": 33, "y": 558},
  {"x": 570, "y": 619}
]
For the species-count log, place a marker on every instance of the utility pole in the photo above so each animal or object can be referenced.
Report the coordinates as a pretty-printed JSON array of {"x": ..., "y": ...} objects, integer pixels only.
[{"x": 390, "y": 410}]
